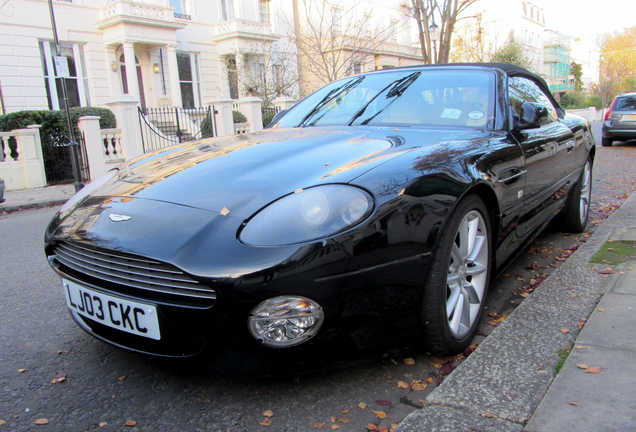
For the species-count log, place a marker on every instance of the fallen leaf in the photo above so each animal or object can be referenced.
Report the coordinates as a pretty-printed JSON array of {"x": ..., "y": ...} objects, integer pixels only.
[
  {"x": 2, "y": 422},
  {"x": 121, "y": 378},
  {"x": 630, "y": 268},
  {"x": 607, "y": 271},
  {"x": 333, "y": 419},
  {"x": 418, "y": 386},
  {"x": 63, "y": 352},
  {"x": 540, "y": 368},
  {"x": 59, "y": 377},
  {"x": 371, "y": 427},
  {"x": 394, "y": 361},
  {"x": 206, "y": 400},
  {"x": 402, "y": 385},
  {"x": 102, "y": 424},
  {"x": 362, "y": 405},
  {"x": 579, "y": 347},
  {"x": 394, "y": 426},
  {"x": 573, "y": 403},
  {"x": 429, "y": 380},
  {"x": 383, "y": 429},
  {"x": 42, "y": 422},
  {"x": 344, "y": 420},
  {"x": 582, "y": 366},
  {"x": 131, "y": 423},
  {"x": 580, "y": 324},
  {"x": 409, "y": 361},
  {"x": 383, "y": 402},
  {"x": 266, "y": 422},
  {"x": 489, "y": 415},
  {"x": 345, "y": 411},
  {"x": 268, "y": 413},
  {"x": 319, "y": 426},
  {"x": 422, "y": 401},
  {"x": 335, "y": 426},
  {"x": 380, "y": 414},
  {"x": 593, "y": 370},
  {"x": 564, "y": 331},
  {"x": 601, "y": 310},
  {"x": 21, "y": 370},
  {"x": 224, "y": 211},
  {"x": 573, "y": 295}
]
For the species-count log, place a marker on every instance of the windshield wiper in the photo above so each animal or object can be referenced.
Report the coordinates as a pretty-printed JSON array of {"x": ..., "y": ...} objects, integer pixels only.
[
  {"x": 396, "y": 88},
  {"x": 331, "y": 96}
]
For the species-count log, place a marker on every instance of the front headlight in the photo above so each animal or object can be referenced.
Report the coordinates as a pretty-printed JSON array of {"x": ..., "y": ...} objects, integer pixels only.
[{"x": 308, "y": 214}]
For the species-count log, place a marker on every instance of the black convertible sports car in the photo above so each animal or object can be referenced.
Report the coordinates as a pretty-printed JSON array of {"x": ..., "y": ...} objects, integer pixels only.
[{"x": 373, "y": 214}]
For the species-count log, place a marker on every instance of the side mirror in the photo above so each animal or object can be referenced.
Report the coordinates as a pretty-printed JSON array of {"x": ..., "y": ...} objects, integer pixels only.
[{"x": 533, "y": 115}]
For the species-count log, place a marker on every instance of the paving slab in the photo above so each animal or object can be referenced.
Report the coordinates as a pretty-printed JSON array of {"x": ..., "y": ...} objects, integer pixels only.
[{"x": 439, "y": 418}]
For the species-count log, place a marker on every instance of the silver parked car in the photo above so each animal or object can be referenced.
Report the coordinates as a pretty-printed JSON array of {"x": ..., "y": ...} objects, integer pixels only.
[{"x": 620, "y": 120}]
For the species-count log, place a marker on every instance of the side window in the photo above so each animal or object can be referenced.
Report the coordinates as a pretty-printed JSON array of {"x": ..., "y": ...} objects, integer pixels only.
[{"x": 522, "y": 90}]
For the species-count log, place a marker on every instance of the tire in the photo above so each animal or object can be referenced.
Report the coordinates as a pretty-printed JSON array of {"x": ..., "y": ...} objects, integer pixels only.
[
  {"x": 606, "y": 142},
  {"x": 457, "y": 282},
  {"x": 577, "y": 208}
]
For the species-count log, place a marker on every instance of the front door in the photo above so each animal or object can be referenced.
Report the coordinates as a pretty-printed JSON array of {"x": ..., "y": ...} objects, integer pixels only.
[{"x": 142, "y": 94}]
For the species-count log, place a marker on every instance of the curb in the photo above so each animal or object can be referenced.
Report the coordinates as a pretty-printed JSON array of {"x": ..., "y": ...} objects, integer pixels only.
[{"x": 31, "y": 206}]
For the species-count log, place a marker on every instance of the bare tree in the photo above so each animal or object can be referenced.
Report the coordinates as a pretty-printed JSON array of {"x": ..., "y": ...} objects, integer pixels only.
[
  {"x": 265, "y": 70},
  {"x": 425, "y": 13},
  {"x": 470, "y": 44},
  {"x": 335, "y": 38}
]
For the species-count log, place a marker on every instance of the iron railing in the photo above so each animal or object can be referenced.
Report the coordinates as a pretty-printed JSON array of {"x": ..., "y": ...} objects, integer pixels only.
[
  {"x": 166, "y": 126},
  {"x": 268, "y": 114}
]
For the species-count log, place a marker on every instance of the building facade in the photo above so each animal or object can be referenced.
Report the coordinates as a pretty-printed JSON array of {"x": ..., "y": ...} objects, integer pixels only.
[{"x": 186, "y": 53}]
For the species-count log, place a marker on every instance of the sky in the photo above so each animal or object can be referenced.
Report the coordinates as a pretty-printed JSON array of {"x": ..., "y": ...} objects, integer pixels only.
[{"x": 588, "y": 18}]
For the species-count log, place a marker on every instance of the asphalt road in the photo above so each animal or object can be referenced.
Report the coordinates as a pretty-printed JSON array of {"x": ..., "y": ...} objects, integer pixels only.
[{"x": 103, "y": 384}]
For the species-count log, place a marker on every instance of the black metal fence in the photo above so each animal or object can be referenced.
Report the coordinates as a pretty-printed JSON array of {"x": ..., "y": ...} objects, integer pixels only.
[
  {"x": 268, "y": 114},
  {"x": 58, "y": 165},
  {"x": 163, "y": 127}
]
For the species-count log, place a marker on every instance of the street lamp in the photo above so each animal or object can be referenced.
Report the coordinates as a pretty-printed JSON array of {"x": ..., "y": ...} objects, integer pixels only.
[{"x": 433, "y": 31}]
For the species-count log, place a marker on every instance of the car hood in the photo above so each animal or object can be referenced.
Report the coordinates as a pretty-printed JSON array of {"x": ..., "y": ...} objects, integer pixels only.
[{"x": 245, "y": 173}]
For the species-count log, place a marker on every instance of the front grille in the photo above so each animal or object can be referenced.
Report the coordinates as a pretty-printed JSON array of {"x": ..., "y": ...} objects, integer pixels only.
[{"x": 113, "y": 267}]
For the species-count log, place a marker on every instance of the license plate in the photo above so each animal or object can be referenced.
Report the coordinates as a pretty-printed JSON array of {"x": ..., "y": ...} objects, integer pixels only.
[
  {"x": 629, "y": 117},
  {"x": 137, "y": 318}
]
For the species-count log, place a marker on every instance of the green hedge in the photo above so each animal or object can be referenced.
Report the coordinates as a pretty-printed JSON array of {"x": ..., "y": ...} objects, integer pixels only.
[{"x": 54, "y": 130}]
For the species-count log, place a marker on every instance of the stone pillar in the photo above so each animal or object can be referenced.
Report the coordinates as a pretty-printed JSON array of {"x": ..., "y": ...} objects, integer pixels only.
[
  {"x": 224, "y": 121},
  {"x": 89, "y": 125},
  {"x": 125, "y": 110},
  {"x": 284, "y": 102},
  {"x": 251, "y": 108},
  {"x": 131, "y": 70},
  {"x": 27, "y": 170},
  {"x": 173, "y": 73}
]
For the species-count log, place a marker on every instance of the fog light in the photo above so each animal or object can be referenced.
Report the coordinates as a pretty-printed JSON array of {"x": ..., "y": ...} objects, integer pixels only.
[{"x": 284, "y": 321}]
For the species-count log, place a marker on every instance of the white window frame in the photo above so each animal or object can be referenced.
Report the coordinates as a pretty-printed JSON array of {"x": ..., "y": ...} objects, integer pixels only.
[
  {"x": 196, "y": 78},
  {"x": 227, "y": 16},
  {"x": 267, "y": 14},
  {"x": 81, "y": 80}
]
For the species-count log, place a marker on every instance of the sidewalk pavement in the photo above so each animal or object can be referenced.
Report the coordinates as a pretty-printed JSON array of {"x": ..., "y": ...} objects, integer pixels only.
[
  {"x": 508, "y": 383},
  {"x": 36, "y": 197}
]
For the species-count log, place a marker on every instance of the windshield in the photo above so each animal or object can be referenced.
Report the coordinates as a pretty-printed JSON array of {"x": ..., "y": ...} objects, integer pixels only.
[{"x": 439, "y": 97}]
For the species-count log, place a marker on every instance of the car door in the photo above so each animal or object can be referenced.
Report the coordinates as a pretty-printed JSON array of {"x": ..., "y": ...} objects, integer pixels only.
[{"x": 549, "y": 157}]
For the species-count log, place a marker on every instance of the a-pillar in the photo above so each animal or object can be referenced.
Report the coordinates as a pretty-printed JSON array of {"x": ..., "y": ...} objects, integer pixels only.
[{"x": 173, "y": 73}]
